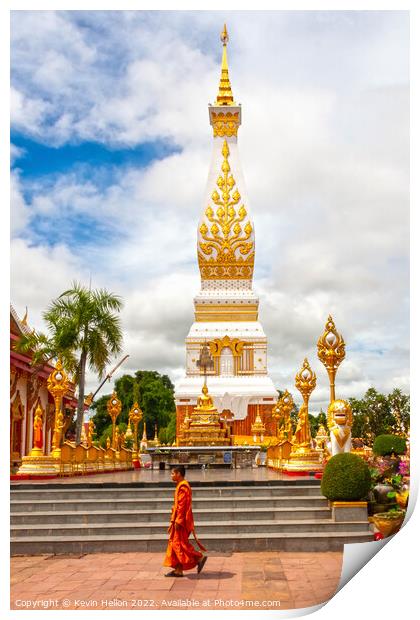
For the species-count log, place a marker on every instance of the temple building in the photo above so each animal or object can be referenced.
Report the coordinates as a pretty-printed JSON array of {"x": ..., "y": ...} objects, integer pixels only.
[
  {"x": 226, "y": 307},
  {"x": 28, "y": 388}
]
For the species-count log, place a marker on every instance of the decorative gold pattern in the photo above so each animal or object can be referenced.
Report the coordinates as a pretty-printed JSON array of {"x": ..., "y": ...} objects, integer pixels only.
[
  {"x": 331, "y": 352},
  {"x": 234, "y": 344},
  {"x": 225, "y": 124},
  {"x": 225, "y": 249}
]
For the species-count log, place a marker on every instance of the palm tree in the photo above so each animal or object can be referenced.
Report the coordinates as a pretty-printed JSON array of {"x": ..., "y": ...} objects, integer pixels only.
[{"x": 84, "y": 330}]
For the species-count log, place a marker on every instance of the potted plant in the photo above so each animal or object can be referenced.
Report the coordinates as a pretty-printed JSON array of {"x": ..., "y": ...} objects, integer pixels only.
[
  {"x": 389, "y": 522},
  {"x": 346, "y": 482}
]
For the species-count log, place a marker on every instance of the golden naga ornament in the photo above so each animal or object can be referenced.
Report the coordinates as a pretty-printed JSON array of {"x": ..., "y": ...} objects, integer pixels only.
[
  {"x": 114, "y": 409},
  {"x": 331, "y": 352},
  {"x": 226, "y": 246},
  {"x": 58, "y": 385}
]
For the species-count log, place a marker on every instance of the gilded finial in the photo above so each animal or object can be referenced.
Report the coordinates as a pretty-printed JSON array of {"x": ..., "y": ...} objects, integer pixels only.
[
  {"x": 225, "y": 96},
  {"x": 224, "y": 37},
  {"x": 24, "y": 321}
]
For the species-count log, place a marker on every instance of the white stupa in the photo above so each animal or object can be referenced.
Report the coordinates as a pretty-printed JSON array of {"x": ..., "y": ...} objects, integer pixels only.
[{"x": 226, "y": 307}]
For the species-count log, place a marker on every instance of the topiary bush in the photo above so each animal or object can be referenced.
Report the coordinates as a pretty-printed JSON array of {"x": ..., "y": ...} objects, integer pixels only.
[
  {"x": 346, "y": 477},
  {"x": 385, "y": 445}
]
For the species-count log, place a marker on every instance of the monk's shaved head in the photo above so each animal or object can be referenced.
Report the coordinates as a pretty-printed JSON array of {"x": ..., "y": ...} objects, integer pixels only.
[{"x": 180, "y": 469}]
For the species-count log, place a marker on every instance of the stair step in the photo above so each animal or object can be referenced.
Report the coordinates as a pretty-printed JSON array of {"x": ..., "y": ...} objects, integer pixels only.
[
  {"x": 230, "y": 542},
  {"x": 148, "y": 503},
  {"x": 113, "y": 516},
  {"x": 198, "y": 492},
  {"x": 204, "y": 527}
]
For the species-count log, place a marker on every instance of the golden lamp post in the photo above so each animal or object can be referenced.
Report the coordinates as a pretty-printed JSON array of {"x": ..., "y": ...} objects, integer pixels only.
[
  {"x": 331, "y": 352},
  {"x": 114, "y": 409},
  {"x": 134, "y": 417},
  {"x": 58, "y": 385},
  {"x": 303, "y": 457}
]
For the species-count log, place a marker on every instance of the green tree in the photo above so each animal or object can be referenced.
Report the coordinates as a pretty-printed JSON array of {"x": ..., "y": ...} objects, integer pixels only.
[
  {"x": 155, "y": 395},
  {"x": 377, "y": 414},
  {"x": 84, "y": 330}
]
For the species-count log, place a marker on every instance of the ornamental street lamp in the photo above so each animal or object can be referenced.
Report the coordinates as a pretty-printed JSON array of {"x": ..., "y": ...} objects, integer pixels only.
[
  {"x": 114, "y": 409},
  {"x": 331, "y": 352},
  {"x": 134, "y": 417}
]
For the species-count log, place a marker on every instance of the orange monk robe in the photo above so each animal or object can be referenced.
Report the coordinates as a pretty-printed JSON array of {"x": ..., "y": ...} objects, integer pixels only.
[{"x": 180, "y": 551}]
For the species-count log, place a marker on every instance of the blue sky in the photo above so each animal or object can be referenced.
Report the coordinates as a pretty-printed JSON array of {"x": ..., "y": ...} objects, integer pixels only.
[{"x": 111, "y": 146}]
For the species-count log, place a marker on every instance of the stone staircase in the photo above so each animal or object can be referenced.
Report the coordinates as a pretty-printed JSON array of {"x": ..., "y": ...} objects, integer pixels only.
[{"x": 232, "y": 516}]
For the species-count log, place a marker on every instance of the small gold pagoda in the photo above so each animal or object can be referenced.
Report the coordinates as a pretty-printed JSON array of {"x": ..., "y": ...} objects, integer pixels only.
[{"x": 204, "y": 427}]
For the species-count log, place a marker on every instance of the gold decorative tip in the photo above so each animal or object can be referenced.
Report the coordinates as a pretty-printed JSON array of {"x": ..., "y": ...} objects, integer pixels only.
[
  {"x": 225, "y": 96},
  {"x": 224, "y": 37},
  {"x": 24, "y": 321}
]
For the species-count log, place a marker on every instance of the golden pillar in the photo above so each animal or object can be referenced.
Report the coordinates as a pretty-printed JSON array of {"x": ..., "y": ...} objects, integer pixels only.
[
  {"x": 134, "y": 418},
  {"x": 58, "y": 385},
  {"x": 114, "y": 409},
  {"x": 331, "y": 352},
  {"x": 303, "y": 458}
]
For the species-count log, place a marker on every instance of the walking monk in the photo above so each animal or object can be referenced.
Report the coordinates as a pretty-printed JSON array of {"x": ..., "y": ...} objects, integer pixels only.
[{"x": 180, "y": 554}]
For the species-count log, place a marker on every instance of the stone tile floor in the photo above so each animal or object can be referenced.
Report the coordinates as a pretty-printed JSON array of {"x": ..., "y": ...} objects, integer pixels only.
[{"x": 254, "y": 580}]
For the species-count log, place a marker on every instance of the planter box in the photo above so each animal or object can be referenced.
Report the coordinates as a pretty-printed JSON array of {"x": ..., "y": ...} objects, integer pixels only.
[{"x": 349, "y": 511}]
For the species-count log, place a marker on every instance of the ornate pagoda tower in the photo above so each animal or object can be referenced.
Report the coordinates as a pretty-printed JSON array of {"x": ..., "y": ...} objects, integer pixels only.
[{"x": 226, "y": 308}]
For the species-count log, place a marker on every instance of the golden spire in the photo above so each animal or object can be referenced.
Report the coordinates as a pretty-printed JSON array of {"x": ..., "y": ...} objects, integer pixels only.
[{"x": 225, "y": 96}]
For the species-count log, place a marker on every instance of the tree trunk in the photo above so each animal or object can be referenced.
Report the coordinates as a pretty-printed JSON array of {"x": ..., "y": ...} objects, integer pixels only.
[{"x": 81, "y": 401}]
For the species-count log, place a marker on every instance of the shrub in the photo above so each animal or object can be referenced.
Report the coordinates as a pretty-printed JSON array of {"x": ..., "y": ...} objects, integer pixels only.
[
  {"x": 346, "y": 477},
  {"x": 389, "y": 444}
]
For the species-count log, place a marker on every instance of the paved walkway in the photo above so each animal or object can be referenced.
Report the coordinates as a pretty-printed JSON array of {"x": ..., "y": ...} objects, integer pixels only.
[
  {"x": 259, "y": 474},
  {"x": 258, "y": 580}
]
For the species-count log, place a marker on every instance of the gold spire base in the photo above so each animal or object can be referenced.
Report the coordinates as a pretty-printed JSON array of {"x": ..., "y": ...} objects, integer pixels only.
[
  {"x": 303, "y": 460},
  {"x": 39, "y": 466}
]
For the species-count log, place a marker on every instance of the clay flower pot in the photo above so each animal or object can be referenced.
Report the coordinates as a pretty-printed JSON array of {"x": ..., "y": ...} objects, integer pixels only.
[
  {"x": 381, "y": 491},
  {"x": 388, "y": 523}
]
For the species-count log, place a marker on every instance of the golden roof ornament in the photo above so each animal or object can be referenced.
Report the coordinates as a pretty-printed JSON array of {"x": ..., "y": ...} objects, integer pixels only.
[{"x": 225, "y": 96}]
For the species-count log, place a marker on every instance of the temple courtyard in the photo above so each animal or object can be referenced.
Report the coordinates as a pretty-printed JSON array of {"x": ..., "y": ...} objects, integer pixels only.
[
  {"x": 253, "y": 580},
  {"x": 135, "y": 579}
]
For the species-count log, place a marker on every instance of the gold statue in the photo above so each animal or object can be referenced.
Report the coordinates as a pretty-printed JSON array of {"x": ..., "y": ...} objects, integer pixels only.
[{"x": 37, "y": 449}]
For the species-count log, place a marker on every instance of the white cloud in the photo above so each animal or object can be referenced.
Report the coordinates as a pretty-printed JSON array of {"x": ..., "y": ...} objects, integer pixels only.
[{"x": 324, "y": 147}]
